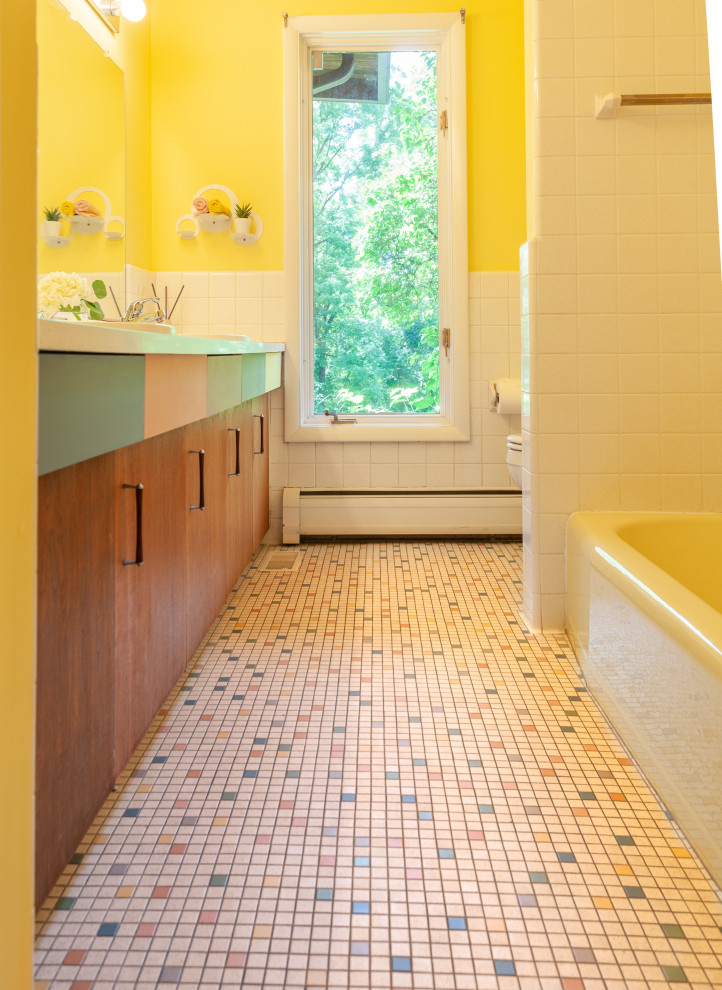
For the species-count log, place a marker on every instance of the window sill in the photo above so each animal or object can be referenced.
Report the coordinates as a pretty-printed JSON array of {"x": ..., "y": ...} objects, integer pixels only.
[{"x": 381, "y": 433}]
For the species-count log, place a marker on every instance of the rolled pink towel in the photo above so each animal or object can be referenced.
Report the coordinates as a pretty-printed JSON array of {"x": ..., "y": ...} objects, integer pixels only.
[
  {"x": 200, "y": 205},
  {"x": 83, "y": 208}
]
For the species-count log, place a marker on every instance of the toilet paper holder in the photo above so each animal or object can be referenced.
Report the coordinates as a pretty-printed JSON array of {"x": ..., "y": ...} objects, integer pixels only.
[{"x": 506, "y": 396}]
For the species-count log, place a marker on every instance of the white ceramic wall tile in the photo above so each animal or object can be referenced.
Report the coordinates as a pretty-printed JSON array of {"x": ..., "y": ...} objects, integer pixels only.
[
  {"x": 302, "y": 475},
  {"x": 624, "y": 395},
  {"x": 221, "y": 284},
  {"x": 329, "y": 475},
  {"x": 196, "y": 285},
  {"x": 274, "y": 285},
  {"x": 384, "y": 475},
  {"x": 439, "y": 453},
  {"x": 383, "y": 453},
  {"x": 249, "y": 285},
  {"x": 328, "y": 453},
  {"x": 195, "y": 311},
  {"x": 356, "y": 475},
  {"x": 221, "y": 311},
  {"x": 412, "y": 475},
  {"x": 273, "y": 310},
  {"x": 356, "y": 453},
  {"x": 249, "y": 311},
  {"x": 437, "y": 475},
  {"x": 467, "y": 475},
  {"x": 301, "y": 453}
]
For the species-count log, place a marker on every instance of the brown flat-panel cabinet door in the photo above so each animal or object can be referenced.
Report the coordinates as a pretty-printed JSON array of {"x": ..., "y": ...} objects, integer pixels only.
[
  {"x": 74, "y": 755},
  {"x": 206, "y": 484},
  {"x": 261, "y": 427},
  {"x": 150, "y": 596},
  {"x": 239, "y": 489}
]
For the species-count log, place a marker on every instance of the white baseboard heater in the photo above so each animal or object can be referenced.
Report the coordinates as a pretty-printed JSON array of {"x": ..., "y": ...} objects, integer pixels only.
[{"x": 400, "y": 512}]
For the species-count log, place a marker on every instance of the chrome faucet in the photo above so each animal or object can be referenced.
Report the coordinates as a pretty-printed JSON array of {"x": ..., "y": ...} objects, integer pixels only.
[{"x": 134, "y": 313}]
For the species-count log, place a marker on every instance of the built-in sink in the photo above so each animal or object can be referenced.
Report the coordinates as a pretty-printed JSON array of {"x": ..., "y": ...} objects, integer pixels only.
[
  {"x": 136, "y": 325},
  {"x": 113, "y": 325}
]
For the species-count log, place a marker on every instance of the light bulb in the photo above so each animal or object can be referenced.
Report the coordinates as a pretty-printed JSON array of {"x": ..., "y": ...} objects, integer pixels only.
[{"x": 132, "y": 10}]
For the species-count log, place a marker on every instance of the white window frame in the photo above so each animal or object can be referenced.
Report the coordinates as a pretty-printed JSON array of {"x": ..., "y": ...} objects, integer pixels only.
[{"x": 446, "y": 34}]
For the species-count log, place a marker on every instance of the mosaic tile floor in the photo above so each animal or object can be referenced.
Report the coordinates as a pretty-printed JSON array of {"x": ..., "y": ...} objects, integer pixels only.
[{"x": 374, "y": 776}]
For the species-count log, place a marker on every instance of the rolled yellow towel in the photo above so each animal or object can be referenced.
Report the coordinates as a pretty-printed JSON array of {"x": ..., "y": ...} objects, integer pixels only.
[{"x": 218, "y": 206}]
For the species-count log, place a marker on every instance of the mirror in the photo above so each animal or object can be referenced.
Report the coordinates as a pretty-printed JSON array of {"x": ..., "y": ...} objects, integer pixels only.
[{"x": 81, "y": 156}]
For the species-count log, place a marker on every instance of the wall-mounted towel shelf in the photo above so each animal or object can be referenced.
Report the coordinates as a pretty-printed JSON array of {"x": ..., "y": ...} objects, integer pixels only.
[
  {"x": 606, "y": 106},
  {"x": 50, "y": 230},
  {"x": 215, "y": 222}
]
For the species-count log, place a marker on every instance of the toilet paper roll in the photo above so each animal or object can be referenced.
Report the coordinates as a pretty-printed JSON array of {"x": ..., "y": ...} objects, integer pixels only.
[{"x": 506, "y": 396}]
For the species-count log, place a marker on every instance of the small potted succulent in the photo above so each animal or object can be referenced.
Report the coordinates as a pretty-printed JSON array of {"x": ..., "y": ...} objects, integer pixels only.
[
  {"x": 52, "y": 222},
  {"x": 242, "y": 222}
]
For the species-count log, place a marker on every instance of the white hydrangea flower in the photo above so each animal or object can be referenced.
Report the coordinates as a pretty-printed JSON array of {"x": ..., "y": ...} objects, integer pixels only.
[{"x": 61, "y": 289}]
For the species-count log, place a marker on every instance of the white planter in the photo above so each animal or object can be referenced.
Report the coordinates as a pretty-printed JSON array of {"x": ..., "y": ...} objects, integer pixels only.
[
  {"x": 242, "y": 225},
  {"x": 51, "y": 228}
]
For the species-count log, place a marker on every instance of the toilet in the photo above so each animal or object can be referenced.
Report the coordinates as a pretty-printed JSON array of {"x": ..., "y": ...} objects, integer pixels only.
[{"x": 513, "y": 458}]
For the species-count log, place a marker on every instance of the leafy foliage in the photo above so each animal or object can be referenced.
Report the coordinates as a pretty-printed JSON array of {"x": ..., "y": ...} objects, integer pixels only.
[{"x": 376, "y": 306}]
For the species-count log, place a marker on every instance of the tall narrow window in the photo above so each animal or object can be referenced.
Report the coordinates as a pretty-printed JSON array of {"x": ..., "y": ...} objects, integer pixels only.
[
  {"x": 375, "y": 228},
  {"x": 375, "y": 232}
]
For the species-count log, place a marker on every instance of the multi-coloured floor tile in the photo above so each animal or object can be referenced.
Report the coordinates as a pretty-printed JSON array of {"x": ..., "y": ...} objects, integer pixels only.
[{"x": 375, "y": 776}]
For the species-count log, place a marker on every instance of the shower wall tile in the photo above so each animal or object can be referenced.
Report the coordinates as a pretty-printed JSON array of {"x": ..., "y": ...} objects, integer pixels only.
[{"x": 620, "y": 370}]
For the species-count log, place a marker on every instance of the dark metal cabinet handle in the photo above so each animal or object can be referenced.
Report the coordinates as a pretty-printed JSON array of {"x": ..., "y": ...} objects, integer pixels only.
[
  {"x": 237, "y": 431},
  {"x": 201, "y": 472},
  {"x": 138, "y": 525},
  {"x": 262, "y": 419}
]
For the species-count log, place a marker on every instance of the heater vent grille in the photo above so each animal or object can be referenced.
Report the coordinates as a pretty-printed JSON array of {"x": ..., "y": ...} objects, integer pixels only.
[
  {"x": 400, "y": 512},
  {"x": 280, "y": 562}
]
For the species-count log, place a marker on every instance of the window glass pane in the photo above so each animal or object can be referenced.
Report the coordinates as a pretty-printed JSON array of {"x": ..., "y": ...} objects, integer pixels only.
[{"x": 375, "y": 260}]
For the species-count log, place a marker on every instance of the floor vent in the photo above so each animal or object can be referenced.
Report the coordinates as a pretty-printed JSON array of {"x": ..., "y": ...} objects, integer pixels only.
[{"x": 280, "y": 562}]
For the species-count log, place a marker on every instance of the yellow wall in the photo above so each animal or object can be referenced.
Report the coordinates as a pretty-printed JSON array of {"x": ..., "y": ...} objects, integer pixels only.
[
  {"x": 217, "y": 116},
  {"x": 529, "y": 118},
  {"x": 17, "y": 492}
]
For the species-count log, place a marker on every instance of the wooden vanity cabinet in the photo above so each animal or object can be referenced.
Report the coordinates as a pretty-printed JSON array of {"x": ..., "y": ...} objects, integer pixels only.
[
  {"x": 150, "y": 598},
  {"x": 75, "y": 663},
  {"x": 205, "y": 488},
  {"x": 239, "y": 490},
  {"x": 114, "y": 637},
  {"x": 260, "y": 468}
]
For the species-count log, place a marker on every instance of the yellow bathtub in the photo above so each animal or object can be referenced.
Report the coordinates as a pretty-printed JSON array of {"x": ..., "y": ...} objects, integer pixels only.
[{"x": 644, "y": 613}]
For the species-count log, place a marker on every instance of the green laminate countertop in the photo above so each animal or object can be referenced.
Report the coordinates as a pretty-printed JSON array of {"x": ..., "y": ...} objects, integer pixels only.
[
  {"x": 83, "y": 338},
  {"x": 105, "y": 388}
]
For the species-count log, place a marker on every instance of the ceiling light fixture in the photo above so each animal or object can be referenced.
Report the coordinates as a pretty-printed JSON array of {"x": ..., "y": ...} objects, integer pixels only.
[
  {"x": 112, "y": 10},
  {"x": 132, "y": 10}
]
